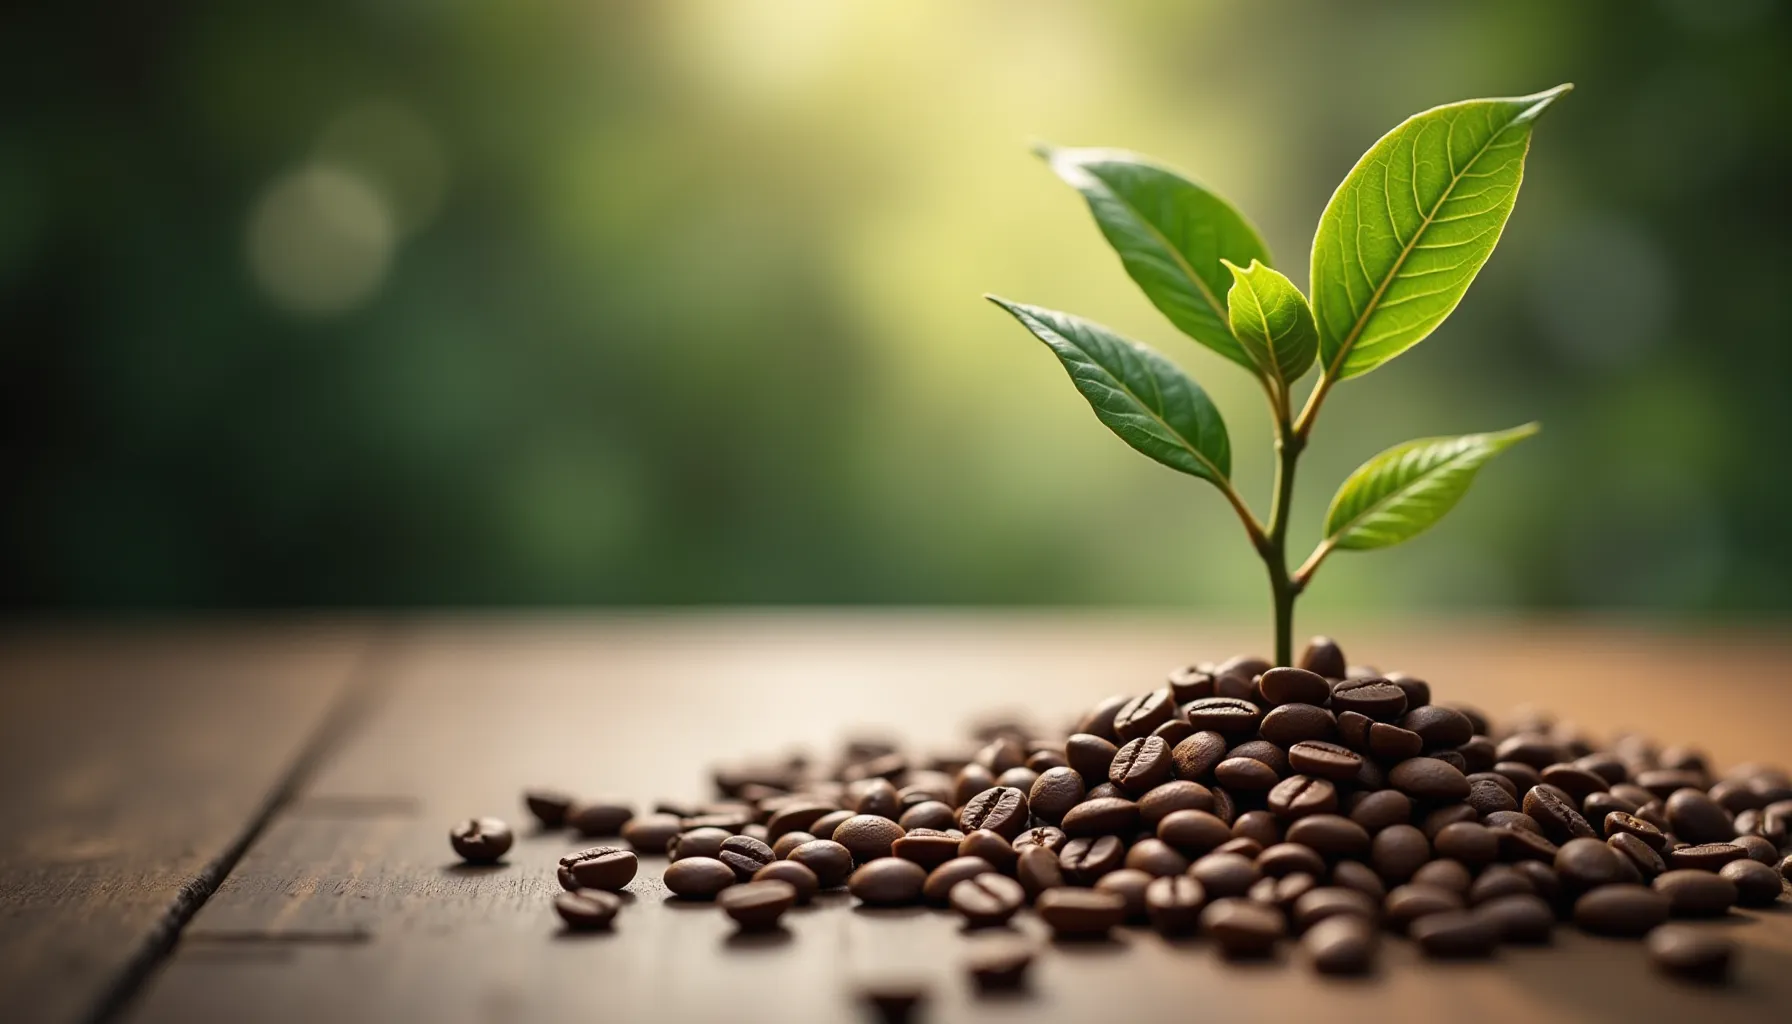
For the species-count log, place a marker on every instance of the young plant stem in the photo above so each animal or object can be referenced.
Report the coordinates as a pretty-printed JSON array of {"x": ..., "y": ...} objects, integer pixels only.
[{"x": 1283, "y": 588}]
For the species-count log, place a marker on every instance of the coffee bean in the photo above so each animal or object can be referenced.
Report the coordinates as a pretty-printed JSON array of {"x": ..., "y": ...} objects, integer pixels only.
[
  {"x": 1439, "y": 728},
  {"x": 1519, "y": 917},
  {"x": 1786, "y": 868},
  {"x": 1140, "y": 765},
  {"x": 1497, "y": 880},
  {"x": 1757, "y": 885},
  {"x": 1138, "y": 716},
  {"x": 587, "y": 909},
  {"x": 1539, "y": 752},
  {"x": 973, "y": 779},
  {"x": 929, "y": 848},
  {"x": 1193, "y": 833},
  {"x": 990, "y": 846},
  {"x": 757, "y": 906},
  {"x": 986, "y": 899},
  {"x": 1300, "y": 795},
  {"x": 1318, "y": 904},
  {"x": 649, "y": 833},
  {"x": 697, "y": 842},
  {"x": 1055, "y": 792},
  {"x": 1042, "y": 761},
  {"x": 999, "y": 966},
  {"x": 1292, "y": 723},
  {"x": 1705, "y": 857},
  {"x": 1471, "y": 843},
  {"x": 1343, "y": 944},
  {"x": 1224, "y": 807},
  {"x": 1555, "y": 815},
  {"x": 940, "y": 880},
  {"x": 1052, "y": 839},
  {"x": 1618, "y": 821},
  {"x": 1352, "y": 874},
  {"x": 1691, "y": 953},
  {"x": 1038, "y": 870},
  {"x": 1129, "y": 884},
  {"x": 1100, "y": 719},
  {"x": 1325, "y": 760},
  {"x": 1290, "y": 686},
  {"x": 1376, "y": 811},
  {"x": 600, "y": 867},
  {"x": 830, "y": 861},
  {"x": 1173, "y": 732},
  {"x": 1648, "y": 863},
  {"x": 1194, "y": 758},
  {"x": 549, "y": 806},
  {"x": 1261, "y": 750},
  {"x": 480, "y": 840},
  {"x": 1190, "y": 683},
  {"x": 1391, "y": 743},
  {"x": 1224, "y": 875},
  {"x": 1408, "y": 903},
  {"x": 1478, "y": 753},
  {"x": 932, "y": 814},
  {"x": 1620, "y": 910},
  {"x": 787, "y": 842},
  {"x": 1324, "y": 657},
  {"x": 1578, "y": 783},
  {"x": 1242, "y": 927},
  {"x": 1101, "y": 816},
  {"x": 827, "y": 824},
  {"x": 745, "y": 855},
  {"x": 1522, "y": 776},
  {"x": 1245, "y": 775},
  {"x": 1105, "y": 791},
  {"x": 868, "y": 836},
  {"x": 1427, "y": 778},
  {"x": 1176, "y": 795},
  {"x": 1285, "y": 859},
  {"x": 1376, "y": 698},
  {"x": 1697, "y": 893},
  {"x": 798, "y": 877},
  {"x": 1002, "y": 810},
  {"x": 698, "y": 878},
  {"x": 887, "y": 882},
  {"x": 1000, "y": 754},
  {"x": 1331, "y": 835},
  {"x": 1080, "y": 913},
  {"x": 755, "y": 831},
  {"x": 1228, "y": 716},
  {"x": 1089, "y": 756},
  {"x": 1418, "y": 691},
  {"x": 1698, "y": 819},
  {"x": 876, "y": 795},
  {"x": 1521, "y": 844},
  {"x": 1173, "y": 904},
  {"x": 599, "y": 817},
  {"x": 1455, "y": 933},
  {"x": 1085, "y": 859},
  {"x": 1585, "y": 863},
  {"x": 1397, "y": 851},
  {"x": 1244, "y": 846},
  {"x": 1512, "y": 819},
  {"x": 1758, "y": 849},
  {"x": 1444, "y": 874},
  {"x": 1156, "y": 858}
]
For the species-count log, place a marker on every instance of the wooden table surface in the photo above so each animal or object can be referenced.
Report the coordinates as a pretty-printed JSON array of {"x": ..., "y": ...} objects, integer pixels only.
[{"x": 248, "y": 822}]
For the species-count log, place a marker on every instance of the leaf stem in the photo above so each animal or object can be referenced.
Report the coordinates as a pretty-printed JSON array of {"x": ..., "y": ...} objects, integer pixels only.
[
  {"x": 1283, "y": 588},
  {"x": 1311, "y": 565},
  {"x": 1304, "y": 425}
]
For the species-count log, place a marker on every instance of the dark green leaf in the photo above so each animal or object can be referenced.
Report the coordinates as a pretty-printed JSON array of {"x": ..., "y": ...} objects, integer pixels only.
[
  {"x": 1140, "y": 395},
  {"x": 1171, "y": 235},
  {"x": 1412, "y": 224},
  {"x": 1401, "y": 492},
  {"x": 1271, "y": 319}
]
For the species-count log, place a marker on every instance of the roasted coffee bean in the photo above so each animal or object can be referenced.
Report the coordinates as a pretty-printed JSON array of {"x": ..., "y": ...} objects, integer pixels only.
[
  {"x": 928, "y": 814},
  {"x": 1174, "y": 904},
  {"x": 1100, "y": 720},
  {"x": 1543, "y": 877},
  {"x": 1418, "y": 691},
  {"x": 549, "y": 806},
  {"x": 1512, "y": 819},
  {"x": 1261, "y": 750},
  {"x": 1352, "y": 874},
  {"x": 1520, "y": 844},
  {"x": 1478, "y": 753},
  {"x": 1050, "y": 838},
  {"x": 600, "y": 867},
  {"x": 1001, "y": 754},
  {"x": 1342, "y": 944},
  {"x": 1487, "y": 796},
  {"x": 939, "y": 882},
  {"x": 1440, "y": 818},
  {"x": 1156, "y": 858},
  {"x": 1786, "y": 868},
  {"x": 988, "y": 899},
  {"x": 1176, "y": 795},
  {"x": 1663, "y": 782},
  {"x": 1325, "y": 760},
  {"x": 798, "y": 877},
  {"x": 1455, "y": 933},
  {"x": 1284, "y": 859},
  {"x": 1259, "y": 825},
  {"x": 599, "y": 817},
  {"x": 698, "y": 842},
  {"x": 1140, "y": 765},
  {"x": 1301, "y": 795},
  {"x": 1471, "y": 843},
  {"x": 1190, "y": 683},
  {"x": 1705, "y": 857},
  {"x": 1331, "y": 835},
  {"x": 1758, "y": 849},
  {"x": 990, "y": 846},
  {"x": 868, "y": 836},
  {"x": 827, "y": 824},
  {"x": 1101, "y": 816},
  {"x": 1757, "y": 885},
  {"x": 1647, "y": 862},
  {"x": 1607, "y": 766},
  {"x": 1444, "y": 874},
  {"x": 698, "y": 878},
  {"x": 1080, "y": 913},
  {"x": 973, "y": 779},
  {"x": 1408, "y": 903},
  {"x": 830, "y": 861},
  {"x": 754, "y": 831},
  {"x": 1578, "y": 783},
  {"x": 1428, "y": 778},
  {"x": 1129, "y": 884},
  {"x": 1697, "y": 893},
  {"x": 649, "y": 833},
  {"x": 1249, "y": 666},
  {"x": 1038, "y": 870},
  {"x": 1138, "y": 716},
  {"x": 1497, "y": 880},
  {"x": 1376, "y": 698},
  {"x": 1392, "y": 743},
  {"x": 1244, "y": 846},
  {"x": 746, "y": 855},
  {"x": 1376, "y": 811},
  {"x": 1193, "y": 833},
  {"x": 1224, "y": 807},
  {"x": 887, "y": 882},
  {"x": 1584, "y": 863},
  {"x": 1224, "y": 874},
  {"x": 757, "y": 906},
  {"x": 1620, "y": 910},
  {"x": 875, "y": 795},
  {"x": 1195, "y": 758},
  {"x": 1245, "y": 775},
  {"x": 481, "y": 840},
  {"x": 1531, "y": 749},
  {"x": 786, "y": 843},
  {"x": 1291, "y": 723},
  {"x": 1242, "y": 927},
  {"x": 1451, "y": 758},
  {"x": 1504, "y": 784},
  {"x": 1440, "y": 728},
  {"x": 1322, "y": 656},
  {"x": 1522, "y": 776},
  {"x": 999, "y": 966},
  {"x": 1316, "y": 905},
  {"x": 1173, "y": 732},
  {"x": 1002, "y": 810},
  {"x": 1618, "y": 821},
  {"x": 1289, "y": 686},
  {"x": 929, "y": 848},
  {"x": 1228, "y": 716},
  {"x": 1655, "y": 812},
  {"x": 1698, "y": 819},
  {"x": 1353, "y": 730},
  {"x": 1397, "y": 851},
  {"x": 1055, "y": 792},
  {"x": 1519, "y": 917},
  {"x": 1089, "y": 756},
  {"x": 1105, "y": 791},
  {"x": 1557, "y": 817},
  {"x": 1691, "y": 953},
  {"x": 1042, "y": 761},
  {"x": 587, "y": 909},
  {"x": 1086, "y": 859}
]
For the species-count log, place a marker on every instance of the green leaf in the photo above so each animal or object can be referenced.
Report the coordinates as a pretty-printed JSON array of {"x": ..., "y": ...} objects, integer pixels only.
[
  {"x": 1171, "y": 235},
  {"x": 1398, "y": 494},
  {"x": 1140, "y": 395},
  {"x": 1271, "y": 319},
  {"x": 1411, "y": 225}
]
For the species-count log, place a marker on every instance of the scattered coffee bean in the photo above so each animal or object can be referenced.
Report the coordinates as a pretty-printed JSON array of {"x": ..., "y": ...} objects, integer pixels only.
[
  {"x": 1757, "y": 885},
  {"x": 1331, "y": 835},
  {"x": 1341, "y": 944},
  {"x": 1088, "y": 755},
  {"x": 1224, "y": 875},
  {"x": 1243, "y": 928},
  {"x": 698, "y": 878},
  {"x": 1428, "y": 778},
  {"x": 1300, "y": 795},
  {"x": 830, "y": 861},
  {"x": 1455, "y": 933},
  {"x": 1322, "y": 902},
  {"x": 757, "y": 906},
  {"x": 1444, "y": 874},
  {"x": 1138, "y": 716},
  {"x": 600, "y": 867},
  {"x": 786, "y": 843},
  {"x": 1130, "y": 885},
  {"x": 887, "y": 882},
  {"x": 1707, "y": 857},
  {"x": 1518, "y": 917},
  {"x": 1620, "y": 910},
  {"x": 587, "y": 909},
  {"x": 1758, "y": 849},
  {"x": 990, "y": 846},
  {"x": 1518, "y": 844},
  {"x": 1050, "y": 838},
  {"x": 1376, "y": 698},
  {"x": 1156, "y": 858},
  {"x": 1322, "y": 656},
  {"x": 1290, "y": 686},
  {"x": 1696, "y": 893},
  {"x": 1228, "y": 716},
  {"x": 599, "y": 817},
  {"x": 1648, "y": 863},
  {"x": 1691, "y": 953},
  {"x": 1555, "y": 814},
  {"x": 745, "y": 855},
  {"x": 795, "y": 875},
  {"x": 1085, "y": 859},
  {"x": 1055, "y": 792},
  {"x": 929, "y": 848},
  {"x": 1140, "y": 765},
  {"x": 1038, "y": 870},
  {"x": 1380, "y": 809},
  {"x": 481, "y": 840},
  {"x": 1325, "y": 760},
  {"x": 697, "y": 842},
  {"x": 986, "y": 899},
  {"x": 1101, "y": 816},
  {"x": 1584, "y": 864},
  {"x": 1001, "y": 809},
  {"x": 867, "y": 836},
  {"x": 938, "y": 886},
  {"x": 1407, "y": 903},
  {"x": 1174, "y": 904},
  {"x": 1195, "y": 757},
  {"x": 549, "y": 806},
  {"x": 1176, "y": 795},
  {"x": 1080, "y": 913},
  {"x": 1699, "y": 819},
  {"x": 1245, "y": 775},
  {"x": 1439, "y": 728},
  {"x": 1397, "y": 851}
]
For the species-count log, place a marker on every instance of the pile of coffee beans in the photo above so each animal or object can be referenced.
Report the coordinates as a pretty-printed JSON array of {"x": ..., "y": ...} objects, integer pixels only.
[{"x": 1324, "y": 804}]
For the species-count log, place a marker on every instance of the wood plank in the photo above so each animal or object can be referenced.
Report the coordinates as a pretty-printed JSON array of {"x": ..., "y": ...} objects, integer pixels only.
[
  {"x": 131, "y": 761},
  {"x": 350, "y": 908}
]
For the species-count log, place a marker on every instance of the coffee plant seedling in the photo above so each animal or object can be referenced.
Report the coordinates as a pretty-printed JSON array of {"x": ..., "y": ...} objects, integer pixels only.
[{"x": 1404, "y": 234}]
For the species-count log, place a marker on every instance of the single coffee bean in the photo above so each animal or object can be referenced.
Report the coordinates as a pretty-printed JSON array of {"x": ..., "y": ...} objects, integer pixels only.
[
  {"x": 1050, "y": 838},
  {"x": 1443, "y": 817},
  {"x": 1392, "y": 743},
  {"x": 1156, "y": 858},
  {"x": 1505, "y": 785},
  {"x": 799, "y": 816},
  {"x": 1512, "y": 819},
  {"x": 986, "y": 899},
  {"x": 755, "y": 831},
  {"x": 1000, "y": 754},
  {"x": 649, "y": 833},
  {"x": 1691, "y": 953},
  {"x": 972, "y": 779},
  {"x": 1042, "y": 761},
  {"x": 1397, "y": 851},
  {"x": 1140, "y": 765},
  {"x": 1331, "y": 835},
  {"x": 1455, "y": 933},
  {"x": 1620, "y": 910},
  {"x": 1195, "y": 758},
  {"x": 1518, "y": 917},
  {"x": 1224, "y": 875},
  {"x": 1408, "y": 903},
  {"x": 1353, "y": 730},
  {"x": 990, "y": 846},
  {"x": 1522, "y": 776},
  {"x": 1316, "y": 905},
  {"x": 1224, "y": 807},
  {"x": 1376, "y": 698},
  {"x": 1259, "y": 825},
  {"x": 887, "y": 882},
  {"x": 868, "y": 836},
  {"x": 1138, "y": 716},
  {"x": 1130, "y": 885},
  {"x": 1173, "y": 732},
  {"x": 1055, "y": 792},
  {"x": 827, "y": 824},
  {"x": 1585, "y": 863},
  {"x": 599, "y": 817},
  {"x": 1193, "y": 833},
  {"x": 1105, "y": 791},
  {"x": 1341, "y": 944},
  {"x": 1648, "y": 863},
  {"x": 1543, "y": 877},
  {"x": 1322, "y": 656},
  {"x": 938, "y": 885},
  {"x": 1578, "y": 783},
  {"x": 1287, "y": 686},
  {"x": 1758, "y": 849},
  {"x": 1100, "y": 719},
  {"x": 1038, "y": 870},
  {"x": 1293, "y": 723},
  {"x": 600, "y": 867},
  {"x": 1173, "y": 904},
  {"x": 999, "y": 966},
  {"x": 1261, "y": 750},
  {"x": 1757, "y": 885},
  {"x": 1245, "y": 775},
  {"x": 587, "y": 909},
  {"x": 1080, "y": 913},
  {"x": 481, "y": 840},
  {"x": 1444, "y": 874},
  {"x": 1353, "y": 874},
  {"x": 1089, "y": 756},
  {"x": 1190, "y": 683},
  {"x": 1706, "y": 857},
  {"x": 929, "y": 848},
  {"x": 1002, "y": 810},
  {"x": 1696, "y": 893},
  {"x": 1699, "y": 819},
  {"x": 1479, "y": 753},
  {"x": 1618, "y": 821},
  {"x": 830, "y": 861},
  {"x": 1471, "y": 843},
  {"x": 1085, "y": 859},
  {"x": 1325, "y": 760},
  {"x": 1101, "y": 816},
  {"x": 1018, "y": 778},
  {"x": 1440, "y": 728},
  {"x": 876, "y": 795},
  {"x": 1176, "y": 795},
  {"x": 1301, "y": 795},
  {"x": 934, "y": 814},
  {"x": 798, "y": 877},
  {"x": 1228, "y": 716},
  {"x": 745, "y": 855},
  {"x": 1418, "y": 691},
  {"x": 1531, "y": 749},
  {"x": 1428, "y": 778},
  {"x": 1243, "y": 928},
  {"x": 697, "y": 842},
  {"x": 1285, "y": 859},
  {"x": 549, "y": 806},
  {"x": 1376, "y": 811},
  {"x": 1786, "y": 868},
  {"x": 698, "y": 878},
  {"x": 757, "y": 906},
  {"x": 1497, "y": 880},
  {"x": 1555, "y": 815}
]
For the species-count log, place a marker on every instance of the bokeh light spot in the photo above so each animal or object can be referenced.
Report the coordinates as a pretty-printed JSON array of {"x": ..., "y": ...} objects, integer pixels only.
[{"x": 320, "y": 240}]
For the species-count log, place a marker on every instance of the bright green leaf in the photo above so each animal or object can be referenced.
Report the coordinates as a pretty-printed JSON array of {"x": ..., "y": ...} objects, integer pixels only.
[
  {"x": 1271, "y": 319},
  {"x": 1140, "y": 395},
  {"x": 1171, "y": 235},
  {"x": 1412, "y": 224},
  {"x": 1401, "y": 492}
]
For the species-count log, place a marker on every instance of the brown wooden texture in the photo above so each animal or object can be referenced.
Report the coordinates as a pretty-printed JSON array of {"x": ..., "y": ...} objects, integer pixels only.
[
  {"x": 131, "y": 762},
  {"x": 349, "y": 907}
]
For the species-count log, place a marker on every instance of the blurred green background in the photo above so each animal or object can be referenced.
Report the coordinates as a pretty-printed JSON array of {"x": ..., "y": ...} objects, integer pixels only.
[{"x": 441, "y": 303}]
